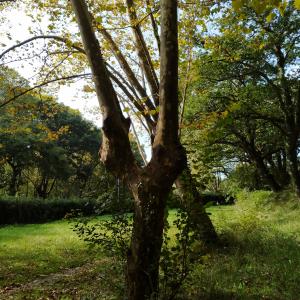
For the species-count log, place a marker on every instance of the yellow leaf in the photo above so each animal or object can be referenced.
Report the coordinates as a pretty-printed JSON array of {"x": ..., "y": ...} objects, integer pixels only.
[
  {"x": 297, "y": 4},
  {"x": 225, "y": 113},
  {"x": 152, "y": 112},
  {"x": 88, "y": 89},
  {"x": 270, "y": 17}
]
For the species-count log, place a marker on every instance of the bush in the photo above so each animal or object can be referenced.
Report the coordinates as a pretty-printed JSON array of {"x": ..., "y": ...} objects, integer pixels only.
[{"x": 26, "y": 210}]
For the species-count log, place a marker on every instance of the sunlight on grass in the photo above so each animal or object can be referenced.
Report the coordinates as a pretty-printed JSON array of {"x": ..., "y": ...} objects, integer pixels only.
[
  {"x": 30, "y": 250},
  {"x": 259, "y": 259}
]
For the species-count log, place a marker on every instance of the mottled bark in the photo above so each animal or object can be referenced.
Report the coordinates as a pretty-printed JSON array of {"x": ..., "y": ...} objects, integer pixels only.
[
  {"x": 149, "y": 185},
  {"x": 143, "y": 52},
  {"x": 150, "y": 195},
  {"x": 146, "y": 61},
  {"x": 126, "y": 68}
]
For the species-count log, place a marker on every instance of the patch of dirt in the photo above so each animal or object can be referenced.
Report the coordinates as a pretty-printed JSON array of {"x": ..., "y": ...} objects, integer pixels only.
[{"x": 44, "y": 280}]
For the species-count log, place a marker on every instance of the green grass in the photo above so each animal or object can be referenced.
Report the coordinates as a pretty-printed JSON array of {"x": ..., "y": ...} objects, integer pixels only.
[
  {"x": 259, "y": 259},
  {"x": 31, "y": 250}
]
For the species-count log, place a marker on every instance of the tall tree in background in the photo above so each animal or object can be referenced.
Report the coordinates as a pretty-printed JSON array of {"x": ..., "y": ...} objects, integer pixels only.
[
  {"x": 42, "y": 143},
  {"x": 248, "y": 92}
]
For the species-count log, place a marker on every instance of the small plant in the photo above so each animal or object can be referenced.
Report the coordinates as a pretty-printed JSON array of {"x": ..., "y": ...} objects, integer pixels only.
[
  {"x": 113, "y": 234},
  {"x": 177, "y": 258}
]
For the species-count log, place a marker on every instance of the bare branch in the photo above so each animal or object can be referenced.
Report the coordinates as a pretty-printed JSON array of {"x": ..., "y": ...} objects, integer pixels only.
[
  {"x": 154, "y": 27},
  {"x": 41, "y": 85},
  {"x": 134, "y": 101},
  {"x": 143, "y": 52},
  {"x": 55, "y": 37},
  {"x": 126, "y": 68}
]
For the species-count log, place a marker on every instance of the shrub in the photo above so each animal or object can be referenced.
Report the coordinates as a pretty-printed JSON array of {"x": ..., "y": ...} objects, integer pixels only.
[
  {"x": 179, "y": 253},
  {"x": 32, "y": 210}
]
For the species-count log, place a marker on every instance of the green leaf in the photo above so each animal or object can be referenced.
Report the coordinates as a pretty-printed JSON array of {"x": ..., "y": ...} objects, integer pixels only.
[
  {"x": 237, "y": 4},
  {"x": 98, "y": 19},
  {"x": 123, "y": 9}
]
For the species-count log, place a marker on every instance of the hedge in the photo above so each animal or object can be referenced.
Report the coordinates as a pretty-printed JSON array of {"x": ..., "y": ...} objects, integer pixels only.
[
  {"x": 34, "y": 210},
  {"x": 26, "y": 210}
]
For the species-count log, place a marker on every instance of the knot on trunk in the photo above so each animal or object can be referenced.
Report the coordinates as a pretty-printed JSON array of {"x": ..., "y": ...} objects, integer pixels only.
[{"x": 115, "y": 151}]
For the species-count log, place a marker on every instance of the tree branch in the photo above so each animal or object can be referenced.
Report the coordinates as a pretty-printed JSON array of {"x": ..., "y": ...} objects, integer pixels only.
[
  {"x": 55, "y": 37},
  {"x": 167, "y": 128},
  {"x": 115, "y": 150},
  {"x": 143, "y": 52},
  {"x": 41, "y": 85},
  {"x": 154, "y": 26},
  {"x": 126, "y": 68}
]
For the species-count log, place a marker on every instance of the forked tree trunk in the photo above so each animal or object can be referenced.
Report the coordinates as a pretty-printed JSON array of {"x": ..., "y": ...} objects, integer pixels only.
[
  {"x": 190, "y": 197},
  {"x": 149, "y": 185}
]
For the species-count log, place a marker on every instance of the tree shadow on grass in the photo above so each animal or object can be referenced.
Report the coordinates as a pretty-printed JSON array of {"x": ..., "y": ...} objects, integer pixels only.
[{"x": 253, "y": 263}]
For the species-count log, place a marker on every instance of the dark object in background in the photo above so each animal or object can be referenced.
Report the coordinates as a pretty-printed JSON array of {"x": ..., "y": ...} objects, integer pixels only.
[
  {"x": 208, "y": 198},
  {"x": 217, "y": 199}
]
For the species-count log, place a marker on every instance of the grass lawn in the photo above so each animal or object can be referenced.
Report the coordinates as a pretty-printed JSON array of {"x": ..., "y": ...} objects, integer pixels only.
[{"x": 260, "y": 258}]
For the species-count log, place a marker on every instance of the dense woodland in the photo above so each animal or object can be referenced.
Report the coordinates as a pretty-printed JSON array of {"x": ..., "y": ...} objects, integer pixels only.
[{"x": 200, "y": 106}]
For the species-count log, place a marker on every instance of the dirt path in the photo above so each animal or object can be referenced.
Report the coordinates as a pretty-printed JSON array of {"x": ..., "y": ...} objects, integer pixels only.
[{"x": 44, "y": 281}]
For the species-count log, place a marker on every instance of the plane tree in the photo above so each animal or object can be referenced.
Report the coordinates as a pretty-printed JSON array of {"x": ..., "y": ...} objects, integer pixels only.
[
  {"x": 126, "y": 32},
  {"x": 149, "y": 185}
]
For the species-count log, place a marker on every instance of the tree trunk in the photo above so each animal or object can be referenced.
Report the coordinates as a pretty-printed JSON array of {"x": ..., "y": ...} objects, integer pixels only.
[
  {"x": 283, "y": 174},
  {"x": 12, "y": 190},
  {"x": 261, "y": 166},
  {"x": 43, "y": 190},
  {"x": 294, "y": 166},
  {"x": 144, "y": 253},
  {"x": 191, "y": 201},
  {"x": 149, "y": 185},
  {"x": 14, "y": 180}
]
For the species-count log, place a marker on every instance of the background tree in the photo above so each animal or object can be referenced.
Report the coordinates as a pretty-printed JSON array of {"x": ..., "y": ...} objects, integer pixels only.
[
  {"x": 44, "y": 142},
  {"x": 246, "y": 99}
]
